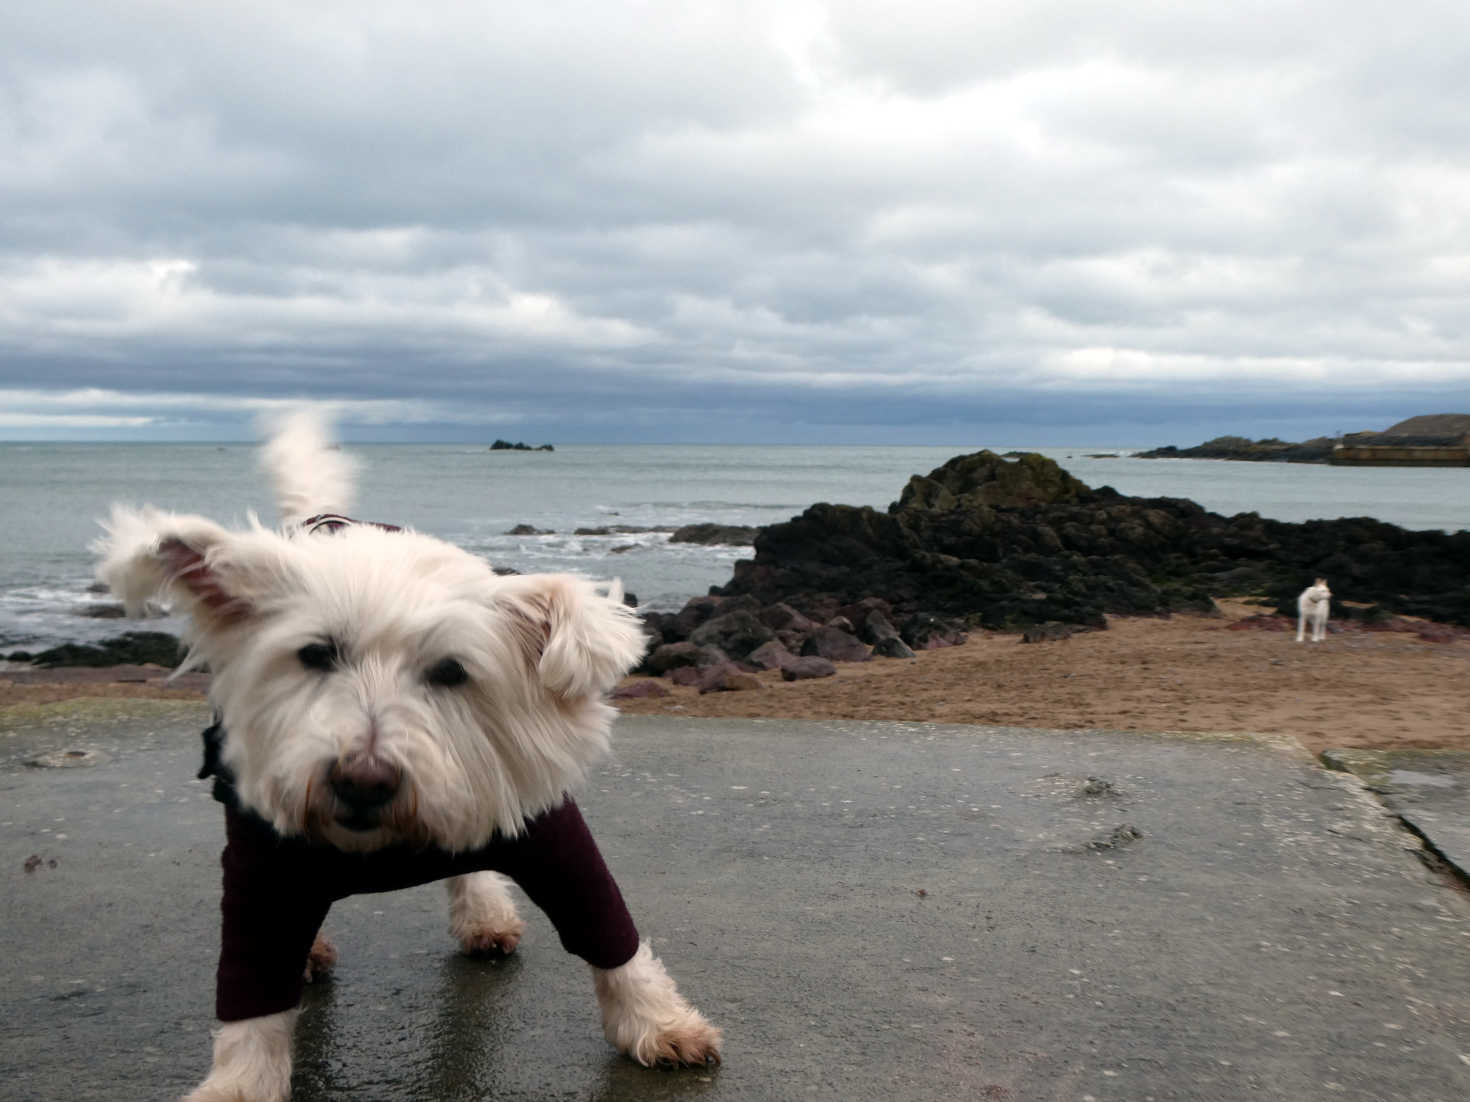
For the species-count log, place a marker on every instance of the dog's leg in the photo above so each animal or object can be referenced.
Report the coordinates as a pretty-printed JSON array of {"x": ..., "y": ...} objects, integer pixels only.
[
  {"x": 252, "y": 1061},
  {"x": 321, "y": 959},
  {"x": 644, "y": 1015},
  {"x": 482, "y": 915},
  {"x": 1301, "y": 625}
]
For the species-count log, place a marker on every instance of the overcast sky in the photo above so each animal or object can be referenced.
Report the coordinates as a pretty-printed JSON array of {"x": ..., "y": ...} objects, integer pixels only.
[{"x": 1033, "y": 222}]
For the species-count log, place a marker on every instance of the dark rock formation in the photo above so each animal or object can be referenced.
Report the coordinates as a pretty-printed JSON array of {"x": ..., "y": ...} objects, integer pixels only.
[
  {"x": 875, "y": 627},
  {"x": 670, "y": 656},
  {"x": 728, "y": 678},
  {"x": 891, "y": 646},
  {"x": 1002, "y": 545},
  {"x": 803, "y": 669},
  {"x": 770, "y": 656},
  {"x": 738, "y": 535},
  {"x": 133, "y": 648},
  {"x": 923, "y": 631},
  {"x": 983, "y": 542},
  {"x": 984, "y": 479},
  {"x": 1316, "y": 450},
  {"x": 637, "y": 690},
  {"x": 695, "y": 612},
  {"x": 736, "y": 633},
  {"x": 1049, "y": 632},
  {"x": 507, "y": 446},
  {"x": 782, "y": 617},
  {"x": 835, "y": 645},
  {"x": 529, "y": 530}
]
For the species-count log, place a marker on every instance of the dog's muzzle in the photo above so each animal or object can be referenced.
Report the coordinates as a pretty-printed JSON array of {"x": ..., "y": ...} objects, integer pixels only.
[{"x": 364, "y": 786}]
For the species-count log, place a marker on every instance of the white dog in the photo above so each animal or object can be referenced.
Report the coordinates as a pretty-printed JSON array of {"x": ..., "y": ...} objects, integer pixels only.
[
  {"x": 1312, "y": 607},
  {"x": 382, "y": 692}
]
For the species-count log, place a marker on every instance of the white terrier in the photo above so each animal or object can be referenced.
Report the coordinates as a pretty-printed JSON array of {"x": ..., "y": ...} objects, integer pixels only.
[
  {"x": 1311, "y": 609},
  {"x": 382, "y": 692}
]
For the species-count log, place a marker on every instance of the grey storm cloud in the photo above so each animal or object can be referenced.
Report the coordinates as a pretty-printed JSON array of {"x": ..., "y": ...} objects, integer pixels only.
[{"x": 811, "y": 218}]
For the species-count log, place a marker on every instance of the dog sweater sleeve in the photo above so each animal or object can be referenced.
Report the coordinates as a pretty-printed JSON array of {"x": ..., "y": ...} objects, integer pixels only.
[
  {"x": 557, "y": 864},
  {"x": 274, "y": 903}
]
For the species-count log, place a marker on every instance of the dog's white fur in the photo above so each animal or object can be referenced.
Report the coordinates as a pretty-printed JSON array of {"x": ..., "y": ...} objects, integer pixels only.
[
  {"x": 540, "y": 652},
  {"x": 1312, "y": 608},
  {"x": 482, "y": 914},
  {"x": 252, "y": 1060}
]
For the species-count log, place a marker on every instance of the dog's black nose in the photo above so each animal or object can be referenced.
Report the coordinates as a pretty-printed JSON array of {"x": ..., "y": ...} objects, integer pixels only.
[{"x": 365, "y": 783}]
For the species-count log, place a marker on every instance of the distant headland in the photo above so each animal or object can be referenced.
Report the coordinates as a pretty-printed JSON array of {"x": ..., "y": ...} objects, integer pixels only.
[
  {"x": 519, "y": 446},
  {"x": 1430, "y": 440}
]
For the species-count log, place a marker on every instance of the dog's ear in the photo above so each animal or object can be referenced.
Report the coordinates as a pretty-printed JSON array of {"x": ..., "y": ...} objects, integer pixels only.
[
  {"x": 204, "y": 570},
  {"x": 580, "y": 640}
]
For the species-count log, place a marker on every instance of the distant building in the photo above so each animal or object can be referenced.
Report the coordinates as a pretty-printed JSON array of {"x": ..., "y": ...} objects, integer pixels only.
[{"x": 1378, "y": 449}]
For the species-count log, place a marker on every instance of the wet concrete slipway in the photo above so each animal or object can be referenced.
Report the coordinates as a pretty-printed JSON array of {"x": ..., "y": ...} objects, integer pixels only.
[{"x": 870, "y": 910}]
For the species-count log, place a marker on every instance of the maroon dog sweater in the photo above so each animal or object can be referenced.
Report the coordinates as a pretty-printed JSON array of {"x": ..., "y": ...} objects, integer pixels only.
[{"x": 278, "y": 890}]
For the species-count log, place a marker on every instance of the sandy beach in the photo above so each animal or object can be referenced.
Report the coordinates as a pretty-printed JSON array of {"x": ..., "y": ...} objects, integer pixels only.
[{"x": 1237, "y": 672}]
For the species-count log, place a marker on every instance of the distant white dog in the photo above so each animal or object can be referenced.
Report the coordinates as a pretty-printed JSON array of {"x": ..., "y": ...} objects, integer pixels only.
[
  {"x": 389, "y": 712},
  {"x": 1311, "y": 609}
]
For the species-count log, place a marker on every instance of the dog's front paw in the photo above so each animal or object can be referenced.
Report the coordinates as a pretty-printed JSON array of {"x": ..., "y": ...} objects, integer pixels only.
[
  {"x": 321, "y": 959},
  {"x": 252, "y": 1061},
  {"x": 644, "y": 1016},
  {"x": 692, "y": 1042},
  {"x": 233, "y": 1090},
  {"x": 482, "y": 915},
  {"x": 489, "y": 939},
  {"x": 207, "y": 1092}
]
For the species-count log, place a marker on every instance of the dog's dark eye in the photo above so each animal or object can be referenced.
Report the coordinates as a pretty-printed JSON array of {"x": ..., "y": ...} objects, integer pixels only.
[
  {"x": 446, "y": 674},
  {"x": 318, "y": 656}
]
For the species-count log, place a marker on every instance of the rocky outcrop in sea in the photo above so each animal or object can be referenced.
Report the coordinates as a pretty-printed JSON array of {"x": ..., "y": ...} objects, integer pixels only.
[
  {"x": 986, "y": 542},
  {"x": 1006, "y": 544},
  {"x": 1269, "y": 450},
  {"x": 1432, "y": 430}
]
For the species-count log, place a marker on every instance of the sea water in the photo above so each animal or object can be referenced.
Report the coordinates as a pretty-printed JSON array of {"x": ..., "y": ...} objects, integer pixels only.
[{"x": 51, "y": 496}]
